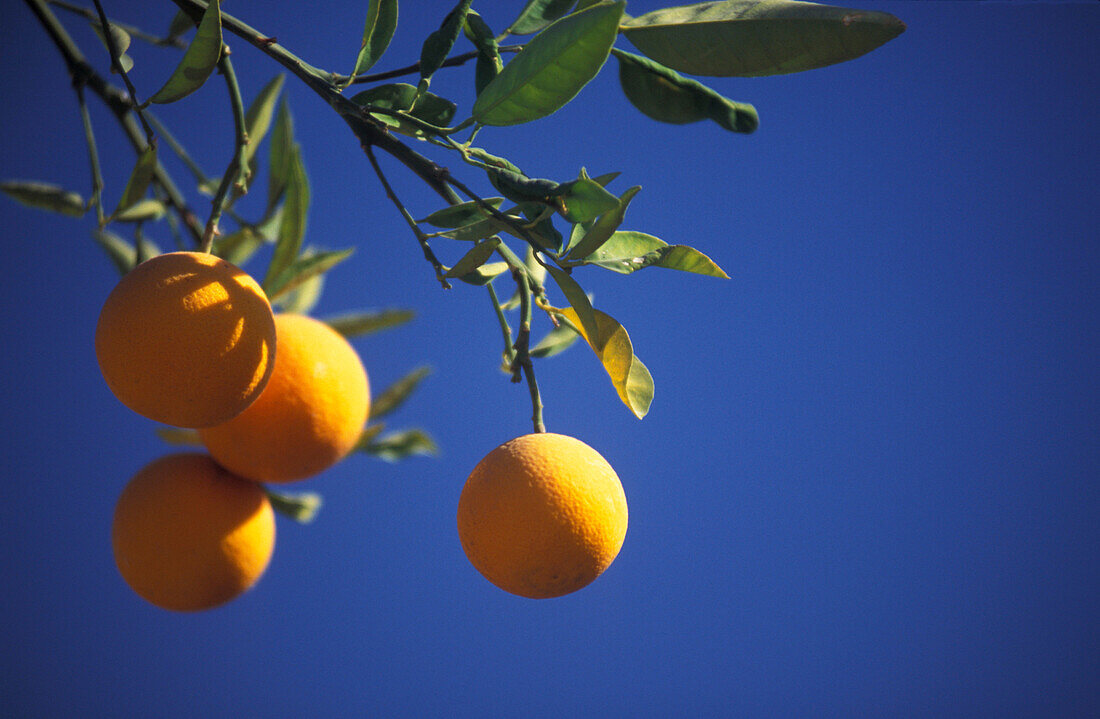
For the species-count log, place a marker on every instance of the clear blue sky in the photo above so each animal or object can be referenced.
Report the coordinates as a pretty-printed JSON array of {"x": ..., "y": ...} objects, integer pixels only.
[{"x": 868, "y": 482}]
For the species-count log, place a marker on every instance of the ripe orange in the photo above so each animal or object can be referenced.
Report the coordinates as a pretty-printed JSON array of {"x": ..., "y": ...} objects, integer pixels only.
[
  {"x": 186, "y": 339},
  {"x": 187, "y": 535},
  {"x": 542, "y": 515},
  {"x": 308, "y": 417}
]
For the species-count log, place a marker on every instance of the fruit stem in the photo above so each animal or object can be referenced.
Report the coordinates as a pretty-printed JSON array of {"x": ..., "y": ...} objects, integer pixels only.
[{"x": 522, "y": 362}]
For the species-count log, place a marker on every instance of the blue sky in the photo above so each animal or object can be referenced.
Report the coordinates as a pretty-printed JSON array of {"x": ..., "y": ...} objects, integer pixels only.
[{"x": 868, "y": 482}]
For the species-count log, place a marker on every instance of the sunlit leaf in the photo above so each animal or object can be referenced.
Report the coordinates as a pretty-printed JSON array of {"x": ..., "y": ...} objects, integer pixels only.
[
  {"x": 474, "y": 258},
  {"x": 44, "y": 196},
  {"x": 627, "y": 252},
  {"x": 485, "y": 274},
  {"x": 667, "y": 96},
  {"x": 355, "y": 324},
  {"x": 257, "y": 119},
  {"x": 122, "y": 43},
  {"x": 307, "y": 266},
  {"x": 140, "y": 178},
  {"x": 399, "y": 445},
  {"x": 461, "y": 215},
  {"x": 301, "y": 507},
  {"x": 584, "y": 200},
  {"x": 552, "y": 68},
  {"x": 377, "y": 32},
  {"x": 198, "y": 60},
  {"x": 537, "y": 14},
  {"x": 604, "y": 226},
  {"x": 612, "y": 346},
  {"x": 395, "y": 395},
  {"x": 749, "y": 38}
]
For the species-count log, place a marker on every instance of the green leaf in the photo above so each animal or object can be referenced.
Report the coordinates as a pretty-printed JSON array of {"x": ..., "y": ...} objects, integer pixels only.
[
  {"x": 301, "y": 507},
  {"x": 475, "y": 231},
  {"x": 179, "y": 436},
  {"x": 45, "y": 196},
  {"x": 292, "y": 225},
  {"x": 237, "y": 247},
  {"x": 604, "y": 226},
  {"x": 439, "y": 43},
  {"x": 257, "y": 120},
  {"x": 551, "y": 69},
  {"x": 626, "y": 252},
  {"x": 198, "y": 60},
  {"x": 356, "y": 324},
  {"x": 556, "y": 341},
  {"x": 485, "y": 274},
  {"x": 140, "y": 178},
  {"x": 666, "y": 96},
  {"x": 584, "y": 200},
  {"x": 122, "y": 43},
  {"x": 367, "y": 435},
  {"x": 606, "y": 178},
  {"x": 377, "y": 33},
  {"x": 749, "y": 38},
  {"x": 146, "y": 210},
  {"x": 399, "y": 445},
  {"x": 280, "y": 155},
  {"x": 517, "y": 187},
  {"x": 474, "y": 258},
  {"x": 395, "y": 395},
  {"x": 461, "y": 215},
  {"x": 428, "y": 108},
  {"x": 612, "y": 346},
  {"x": 304, "y": 268},
  {"x": 540, "y": 226},
  {"x": 537, "y": 14},
  {"x": 121, "y": 253},
  {"x": 578, "y": 300}
]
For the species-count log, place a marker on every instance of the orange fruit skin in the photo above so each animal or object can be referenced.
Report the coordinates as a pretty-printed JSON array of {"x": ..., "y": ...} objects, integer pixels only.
[
  {"x": 186, "y": 339},
  {"x": 188, "y": 536},
  {"x": 308, "y": 417},
  {"x": 542, "y": 515}
]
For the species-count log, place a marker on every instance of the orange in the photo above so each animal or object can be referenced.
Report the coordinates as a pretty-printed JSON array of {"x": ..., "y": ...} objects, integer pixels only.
[
  {"x": 308, "y": 417},
  {"x": 186, "y": 339},
  {"x": 542, "y": 515},
  {"x": 187, "y": 535}
]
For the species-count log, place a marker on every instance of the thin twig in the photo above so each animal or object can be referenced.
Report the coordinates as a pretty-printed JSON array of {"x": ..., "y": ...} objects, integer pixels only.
[
  {"x": 505, "y": 328},
  {"x": 130, "y": 29},
  {"x": 236, "y": 164},
  {"x": 116, "y": 63},
  {"x": 420, "y": 236}
]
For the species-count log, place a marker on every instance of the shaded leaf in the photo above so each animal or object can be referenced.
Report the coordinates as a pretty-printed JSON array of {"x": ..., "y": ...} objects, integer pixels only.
[
  {"x": 355, "y": 324},
  {"x": 121, "y": 253},
  {"x": 369, "y": 433},
  {"x": 461, "y": 215},
  {"x": 475, "y": 231},
  {"x": 612, "y": 346},
  {"x": 551, "y": 69},
  {"x": 308, "y": 266},
  {"x": 749, "y": 38},
  {"x": 666, "y": 96},
  {"x": 439, "y": 43},
  {"x": 45, "y": 196},
  {"x": 257, "y": 120},
  {"x": 237, "y": 247},
  {"x": 198, "y": 60},
  {"x": 517, "y": 187},
  {"x": 474, "y": 258},
  {"x": 146, "y": 210},
  {"x": 292, "y": 225},
  {"x": 280, "y": 155},
  {"x": 538, "y": 14},
  {"x": 122, "y": 43},
  {"x": 395, "y": 395},
  {"x": 556, "y": 341},
  {"x": 180, "y": 24},
  {"x": 578, "y": 300},
  {"x": 377, "y": 32},
  {"x": 489, "y": 63},
  {"x": 604, "y": 226},
  {"x": 140, "y": 178},
  {"x": 428, "y": 108},
  {"x": 399, "y": 445},
  {"x": 301, "y": 507}
]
